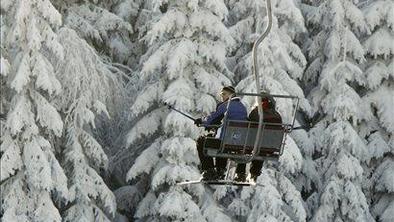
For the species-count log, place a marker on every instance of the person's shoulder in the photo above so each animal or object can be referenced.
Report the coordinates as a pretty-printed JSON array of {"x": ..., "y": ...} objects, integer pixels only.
[
  {"x": 221, "y": 106},
  {"x": 275, "y": 112},
  {"x": 235, "y": 99}
]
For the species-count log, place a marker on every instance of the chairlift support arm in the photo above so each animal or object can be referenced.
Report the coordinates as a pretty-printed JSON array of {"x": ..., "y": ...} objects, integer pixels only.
[{"x": 256, "y": 148}]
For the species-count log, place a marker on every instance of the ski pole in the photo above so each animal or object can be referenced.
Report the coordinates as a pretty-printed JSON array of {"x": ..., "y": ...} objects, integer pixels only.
[{"x": 184, "y": 114}]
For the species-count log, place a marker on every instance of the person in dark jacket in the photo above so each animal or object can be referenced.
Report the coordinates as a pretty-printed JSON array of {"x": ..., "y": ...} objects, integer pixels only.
[
  {"x": 270, "y": 115},
  {"x": 236, "y": 111}
]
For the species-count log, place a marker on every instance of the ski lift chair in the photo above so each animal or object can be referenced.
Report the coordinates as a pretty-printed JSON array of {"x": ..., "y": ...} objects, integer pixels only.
[{"x": 239, "y": 138}]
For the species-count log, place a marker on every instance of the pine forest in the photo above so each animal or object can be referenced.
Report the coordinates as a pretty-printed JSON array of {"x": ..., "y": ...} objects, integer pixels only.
[{"x": 197, "y": 110}]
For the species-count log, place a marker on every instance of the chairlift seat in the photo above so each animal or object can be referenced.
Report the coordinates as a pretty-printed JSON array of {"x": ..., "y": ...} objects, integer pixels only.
[{"x": 239, "y": 138}]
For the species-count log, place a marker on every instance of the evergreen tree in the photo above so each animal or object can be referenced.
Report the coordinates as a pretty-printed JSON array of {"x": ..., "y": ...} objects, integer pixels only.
[
  {"x": 185, "y": 67},
  {"x": 274, "y": 199},
  {"x": 379, "y": 128},
  {"x": 33, "y": 184},
  {"x": 113, "y": 38},
  {"x": 138, "y": 13},
  {"x": 335, "y": 56},
  {"x": 88, "y": 85},
  {"x": 104, "y": 30},
  {"x": 245, "y": 25}
]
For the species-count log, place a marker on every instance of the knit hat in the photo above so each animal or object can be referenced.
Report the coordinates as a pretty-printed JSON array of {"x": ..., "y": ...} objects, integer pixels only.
[
  {"x": 229, "y": 89},
  {"x": 268, "y": 100}
]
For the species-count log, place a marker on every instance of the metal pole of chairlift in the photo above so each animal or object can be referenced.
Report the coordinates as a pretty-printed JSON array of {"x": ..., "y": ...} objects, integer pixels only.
[
  {"x": 256, "y": 148},
  {"x": 273, "y": 95},
  {"x": 180, "y": 112}
]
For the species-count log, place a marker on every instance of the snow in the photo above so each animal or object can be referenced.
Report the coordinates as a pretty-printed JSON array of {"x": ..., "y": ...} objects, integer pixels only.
[
  {"x": 21, "y": 116},
  {"x": 388, "y": 213},
  {"x": 179, "y": 94},
  {"x": 148, "y": 96},
  {"x": 173, "y": 21},
  {"x": 149, "y": 155},
  {"x": 23, "y": 73},
  {"x": 4, "y": 66},
  {"x": 33, "y": 35},
  {"x": 291, "y": 160},
  {"x": 384, "y": 175},
  {"x": 83, "y": 80},
  {"x": 179, "y": 58},
  {"x": 171, "y": 174},
  {"x": 383, "y": 99},
  {"x": 376, "y": 73},
  {"x": 145, "y": 207},
  {"x": 47, "y": 115},
  {"x": 37, "y": 166},
  {"x": 207, "y": 22},
  {"x": 11, "y": 160},
  {"x": 43, "y": 71},
  {"x": 177, "y": 204},
  {"x": 377, "y": 146},
  {"x": 6, "y": 4},
  {"x": 380, "y": 43},
  {"x": 146, "y": 126}
]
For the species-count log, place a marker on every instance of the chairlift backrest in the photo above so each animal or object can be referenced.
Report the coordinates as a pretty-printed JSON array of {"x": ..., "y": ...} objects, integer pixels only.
[{"x": 240, "y": 133}]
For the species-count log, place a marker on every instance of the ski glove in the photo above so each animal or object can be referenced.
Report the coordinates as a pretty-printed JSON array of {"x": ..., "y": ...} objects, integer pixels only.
[{"x": 198, "y": 121}]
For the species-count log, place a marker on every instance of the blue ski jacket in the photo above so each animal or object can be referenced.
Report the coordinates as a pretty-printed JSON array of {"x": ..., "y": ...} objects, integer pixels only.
[{"x": 236, "y": 111}]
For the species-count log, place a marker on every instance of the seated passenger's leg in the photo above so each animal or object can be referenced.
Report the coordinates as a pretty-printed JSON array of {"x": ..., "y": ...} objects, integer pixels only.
[
  {"x": 240, "y": 171},
  {"x": 255, "y": 169},
  {"x": 221, "y": 164},
  {"x": 206, "y": 161},
  {"x": 240, "y": 168}
]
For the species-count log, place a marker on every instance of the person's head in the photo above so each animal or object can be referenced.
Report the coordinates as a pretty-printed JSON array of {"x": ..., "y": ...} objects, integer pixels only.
[
  {"x": 226, "y": 92},
  {"x": 267, "y": 101}
]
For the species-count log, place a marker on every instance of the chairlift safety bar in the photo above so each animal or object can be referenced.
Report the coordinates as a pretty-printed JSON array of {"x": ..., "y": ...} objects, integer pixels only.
[{"x": 273, "y": 95}]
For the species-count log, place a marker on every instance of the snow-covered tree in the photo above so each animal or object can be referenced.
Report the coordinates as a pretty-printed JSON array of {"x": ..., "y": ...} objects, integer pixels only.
[
  {"x": 379, "y": 72},
  {"x": 4, "y": 70},
  {"x": 108, "y": 27},
  {"x": 335, "y": 57},
  {"x": 138, "y": 13},
  {"x": 106, "y": 31},
  {"x": 185, "y": 67},
  {"x": 87, "y": 86},
  {"x": 275, "y": 198},
  {"x": 244, "y": 26},
  {"x": 33, "y": 184}
]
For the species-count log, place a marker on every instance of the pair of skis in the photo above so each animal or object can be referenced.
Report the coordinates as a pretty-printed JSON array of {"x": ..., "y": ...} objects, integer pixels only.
[{"x": 217, "y": 182}]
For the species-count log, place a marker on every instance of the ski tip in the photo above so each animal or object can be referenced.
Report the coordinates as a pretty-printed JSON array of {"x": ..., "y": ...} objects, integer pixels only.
[
  {"x": 217, "y": 182},
  {"x": 189, "y": 182},
  {"x": 227, "y": 183}
]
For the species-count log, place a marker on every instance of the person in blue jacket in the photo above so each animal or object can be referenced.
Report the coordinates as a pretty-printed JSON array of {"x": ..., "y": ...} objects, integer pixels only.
[{"x": 236, "y": 111}]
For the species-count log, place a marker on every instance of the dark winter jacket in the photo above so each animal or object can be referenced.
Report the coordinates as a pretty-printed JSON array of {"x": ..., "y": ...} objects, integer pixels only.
[
  {"x": 269, "y": 115},
  {"x": 236, "y": 111}
]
